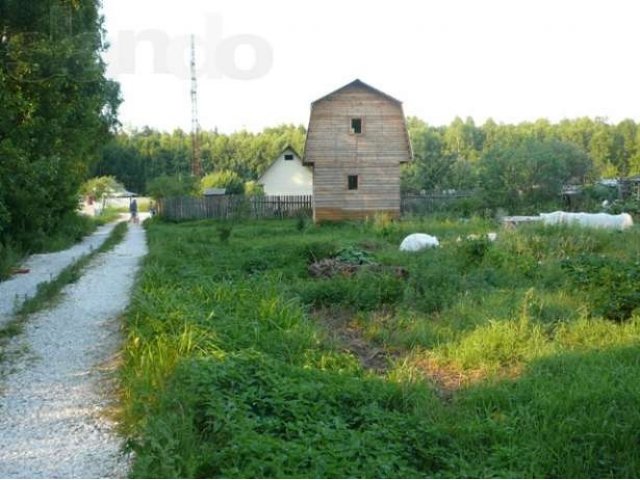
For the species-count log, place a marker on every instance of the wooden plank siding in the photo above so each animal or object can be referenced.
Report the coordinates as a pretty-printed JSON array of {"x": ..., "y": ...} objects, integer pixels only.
[{"x": 375, "y": 155}]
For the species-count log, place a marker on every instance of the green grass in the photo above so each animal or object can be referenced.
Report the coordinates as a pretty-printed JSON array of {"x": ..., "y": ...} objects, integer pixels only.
[
  {"x": 71, "y": 230},
  {"x": 500, "y": 363}
]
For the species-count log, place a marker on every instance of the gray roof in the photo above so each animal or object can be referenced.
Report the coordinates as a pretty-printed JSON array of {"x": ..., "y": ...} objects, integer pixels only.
[{"x": 214, "y": 191}]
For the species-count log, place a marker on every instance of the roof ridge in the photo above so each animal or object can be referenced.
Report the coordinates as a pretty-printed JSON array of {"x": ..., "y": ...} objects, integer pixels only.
[{"x": 358, "y": 83}]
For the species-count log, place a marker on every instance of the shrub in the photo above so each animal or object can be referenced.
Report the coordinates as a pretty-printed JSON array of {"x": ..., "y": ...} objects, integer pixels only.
[
  {"x": 227, "y": 179},
  {"x": 611, "y": 285},
  {"x": 168, "y": 186}
]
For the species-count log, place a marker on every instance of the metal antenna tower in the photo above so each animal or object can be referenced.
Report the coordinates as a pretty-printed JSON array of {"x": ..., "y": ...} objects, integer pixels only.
[{"x": 196, "y": 163}]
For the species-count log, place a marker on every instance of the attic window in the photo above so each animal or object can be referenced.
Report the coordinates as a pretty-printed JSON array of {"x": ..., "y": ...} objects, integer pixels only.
[
  {"x": 356, "y": 125},
  {"x": 288, "y": 156},
  {"x": 352, "y": 182}
]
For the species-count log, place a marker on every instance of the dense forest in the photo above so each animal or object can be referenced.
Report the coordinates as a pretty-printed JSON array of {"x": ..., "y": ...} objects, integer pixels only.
[
  {"x": 57, "y": 112},
  {"x": 458, "y": 156}
]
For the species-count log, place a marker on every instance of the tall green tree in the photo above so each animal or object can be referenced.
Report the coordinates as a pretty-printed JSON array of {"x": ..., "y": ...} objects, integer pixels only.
[
  {"x": 625, "y": 148},
  {"x": 532, "y": 174},
  {"x": 463, "y": 139},
  {"x": 432, "y": 165},
  {"x": 57, "y": 111}
]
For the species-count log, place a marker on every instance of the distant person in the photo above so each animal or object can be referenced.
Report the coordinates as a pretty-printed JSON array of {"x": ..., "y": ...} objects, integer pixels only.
[
  {"x": 133, "y": 209},
  {"x": 152, "y": 209}
]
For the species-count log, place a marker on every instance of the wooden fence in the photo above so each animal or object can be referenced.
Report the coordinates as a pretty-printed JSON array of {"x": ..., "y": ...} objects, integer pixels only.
[{"x": 223, "y": 207}]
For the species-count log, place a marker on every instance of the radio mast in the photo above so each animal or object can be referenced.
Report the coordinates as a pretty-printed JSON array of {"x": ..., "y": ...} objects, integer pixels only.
[{"x": 196, "y": 163}]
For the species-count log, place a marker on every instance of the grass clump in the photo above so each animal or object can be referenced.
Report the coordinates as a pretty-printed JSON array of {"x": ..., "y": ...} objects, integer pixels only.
[
  {"x": 610, "y": 283},
  {"x": 71, "y": 229}
]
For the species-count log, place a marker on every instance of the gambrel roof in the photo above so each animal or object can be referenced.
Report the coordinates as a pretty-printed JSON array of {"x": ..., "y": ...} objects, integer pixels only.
[{"x": 357, "y": 84}]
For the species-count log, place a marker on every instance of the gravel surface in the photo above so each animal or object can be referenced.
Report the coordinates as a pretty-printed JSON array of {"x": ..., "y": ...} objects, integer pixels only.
[
  {"x": 58, "y": 381},
  {"x": 44, "y": 268}
]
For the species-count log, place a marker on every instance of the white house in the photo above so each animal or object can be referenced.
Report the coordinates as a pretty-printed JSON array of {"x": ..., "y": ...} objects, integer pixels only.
[{"x": 287, "y": 176}]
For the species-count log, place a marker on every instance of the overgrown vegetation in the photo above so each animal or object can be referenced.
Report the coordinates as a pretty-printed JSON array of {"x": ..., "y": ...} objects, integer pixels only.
[
  {"x": 72, "y": 228},
  {"x": 496, "y": 362}
]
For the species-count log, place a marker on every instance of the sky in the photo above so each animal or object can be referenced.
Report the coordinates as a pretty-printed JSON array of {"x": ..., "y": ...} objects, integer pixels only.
[{"x": 262, "y": 63}]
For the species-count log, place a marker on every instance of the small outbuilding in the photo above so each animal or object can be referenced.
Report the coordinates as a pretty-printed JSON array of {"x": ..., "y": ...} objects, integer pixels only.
[
  {"x": 356, "y": 142},
  {"x": 287, "y": 175}
]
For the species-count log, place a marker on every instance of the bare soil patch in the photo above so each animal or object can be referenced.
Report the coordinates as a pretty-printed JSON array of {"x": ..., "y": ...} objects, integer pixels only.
[{"x": 344, "y": 332}]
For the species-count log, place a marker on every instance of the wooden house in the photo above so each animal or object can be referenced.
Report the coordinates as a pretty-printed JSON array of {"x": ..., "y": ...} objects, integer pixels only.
[
  {"x": 356, "y": 141},
  {"x": 287, "y": 176}
]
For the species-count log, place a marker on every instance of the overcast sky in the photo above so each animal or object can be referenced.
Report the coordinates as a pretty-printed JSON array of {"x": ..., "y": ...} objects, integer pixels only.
[{"x": 261, "y": 63}]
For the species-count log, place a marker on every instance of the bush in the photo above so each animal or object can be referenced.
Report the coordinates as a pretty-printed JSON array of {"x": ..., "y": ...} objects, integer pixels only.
[
  {"x": 227, "y": 179},
  {"x": 631, "y": 206},
  {"x": 168, "y": 186},
  {"x": 611, "y": 285}
]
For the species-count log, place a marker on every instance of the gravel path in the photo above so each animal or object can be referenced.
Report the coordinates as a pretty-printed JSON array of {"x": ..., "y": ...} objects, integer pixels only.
[
  {"x": 43, "y": 268},
  {"x": 54, "y": 394}
]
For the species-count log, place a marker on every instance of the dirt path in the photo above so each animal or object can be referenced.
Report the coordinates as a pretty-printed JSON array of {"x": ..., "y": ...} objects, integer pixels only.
[{"x": 53, "y": 394}]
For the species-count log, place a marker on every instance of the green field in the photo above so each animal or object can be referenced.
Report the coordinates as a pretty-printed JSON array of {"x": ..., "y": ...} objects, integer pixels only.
[{"x": 513, "y": 358}]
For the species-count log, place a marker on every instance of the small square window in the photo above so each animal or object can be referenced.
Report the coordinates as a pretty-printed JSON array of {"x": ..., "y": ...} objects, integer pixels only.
[
  {"x": 288, "y": 156},
  {"x": 352, "y": 182},
  {"x": 356, "y": 125}
]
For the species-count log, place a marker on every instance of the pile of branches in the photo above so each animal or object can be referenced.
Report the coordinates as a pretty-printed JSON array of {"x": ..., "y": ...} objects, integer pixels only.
[{"x": 330, "y": 267}]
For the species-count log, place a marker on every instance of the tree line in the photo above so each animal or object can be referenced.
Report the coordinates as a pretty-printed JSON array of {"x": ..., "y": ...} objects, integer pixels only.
[
  {"x": 142, "y": 156},
  {"x": 528, "y": 161},
  {"x": 459, "y": 155}
]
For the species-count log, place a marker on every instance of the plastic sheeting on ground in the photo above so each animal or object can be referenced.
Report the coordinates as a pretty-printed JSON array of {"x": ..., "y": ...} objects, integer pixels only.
[
  {"x": 418, "y": 241},
  {"x": 596, "y": 220}
]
